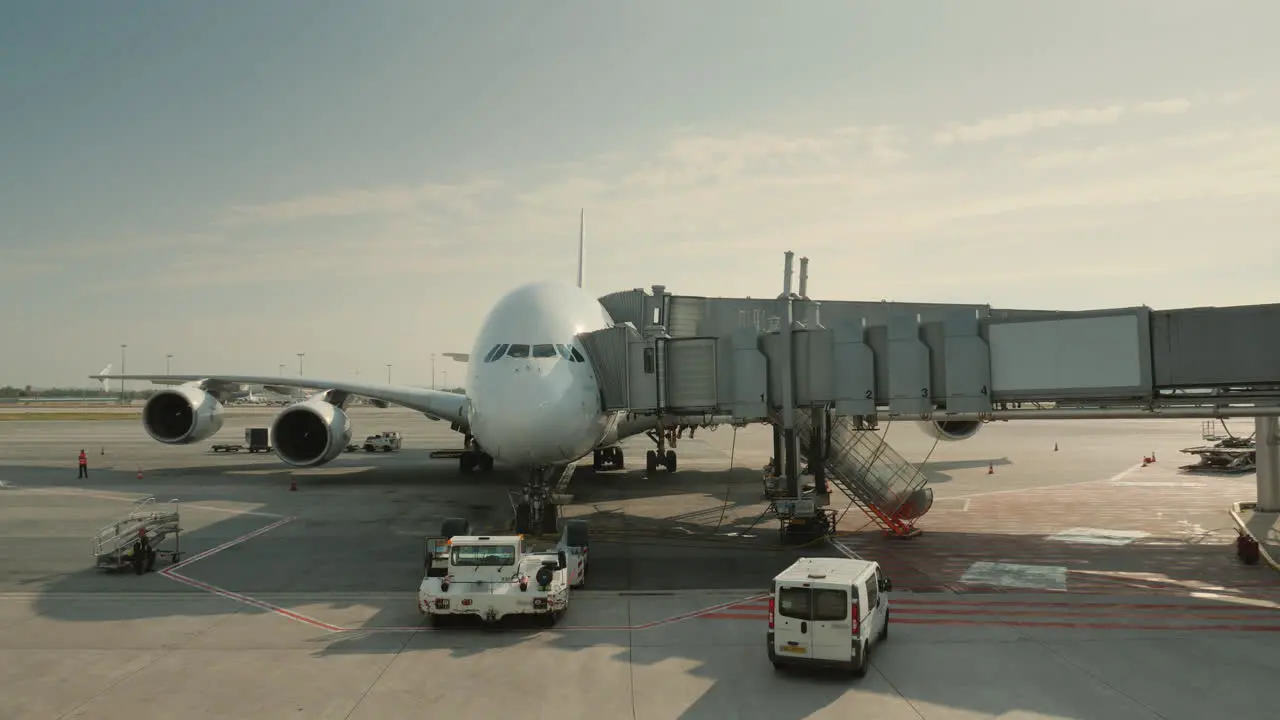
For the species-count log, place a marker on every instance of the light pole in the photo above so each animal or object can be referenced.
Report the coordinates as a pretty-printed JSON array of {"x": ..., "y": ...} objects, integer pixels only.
[
  {"x": 122, "y": 373},
  {"x": 433, "y": 371},
  {"x": 167, "y": 358},
  {"x": 300, "y": 356},
  {"x": 388, "y": 373},
  {"x": 446, "y": 379}
]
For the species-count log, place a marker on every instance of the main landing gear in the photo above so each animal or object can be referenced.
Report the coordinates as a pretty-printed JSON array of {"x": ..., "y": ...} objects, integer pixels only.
[
  {"x": 535, "y": 511},
  {"x": 609, "y": 458},
  {"x": 662, "y": 457},
  {"x": 474, "y": 459}
]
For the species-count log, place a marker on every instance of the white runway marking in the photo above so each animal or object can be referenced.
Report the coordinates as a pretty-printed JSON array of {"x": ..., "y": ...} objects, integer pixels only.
[
  {"x": 1036, "y": 577},
  {"x": 1098, "y": 536}
]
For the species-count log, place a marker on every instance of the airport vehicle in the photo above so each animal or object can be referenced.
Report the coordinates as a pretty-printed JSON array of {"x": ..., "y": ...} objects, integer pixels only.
[
  {"x": 532, "y": 400},
  {"x": 1229, "y": 454},
  {"x": 491, "y": 577},
  {"x": 828, "y": 612},
  {"x": 255, "y": 440},
  {"x": 389, "y": 441},
  {"x": 118, "y": 545}
]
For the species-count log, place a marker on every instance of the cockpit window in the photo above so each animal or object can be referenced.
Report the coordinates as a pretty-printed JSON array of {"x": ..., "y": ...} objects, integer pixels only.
[
  {"x": 563, "y": 351},
  {"x": 518, "y": 351},
  {"x": 577, "y": 356},
  {"x": 495, "y": 352},
  {"x": 544, "y": 351}
]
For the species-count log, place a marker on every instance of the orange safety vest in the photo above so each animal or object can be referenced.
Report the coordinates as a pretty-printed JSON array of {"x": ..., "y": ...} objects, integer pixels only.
[{"x": 83, "y": 460}]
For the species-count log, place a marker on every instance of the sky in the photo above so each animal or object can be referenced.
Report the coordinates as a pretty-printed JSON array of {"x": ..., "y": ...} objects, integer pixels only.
[{"x": 234, "y": 183}]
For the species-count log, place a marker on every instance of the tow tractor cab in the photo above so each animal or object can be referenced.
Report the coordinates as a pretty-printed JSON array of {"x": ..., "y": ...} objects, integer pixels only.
[
  {"x": 493, "y": 576},
  {"x": 828, "y": 612}
]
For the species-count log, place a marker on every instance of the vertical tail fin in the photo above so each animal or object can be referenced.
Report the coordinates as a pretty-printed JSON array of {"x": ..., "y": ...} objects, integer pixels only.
[
  {"x": 105, "y": 371},
  {"x": 582, "y": 246}
]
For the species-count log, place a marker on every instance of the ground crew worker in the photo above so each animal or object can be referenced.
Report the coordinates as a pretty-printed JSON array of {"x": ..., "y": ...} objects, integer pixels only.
[
  {"x": 84, "y": 465},
  {"x": 142, "y": 552}
]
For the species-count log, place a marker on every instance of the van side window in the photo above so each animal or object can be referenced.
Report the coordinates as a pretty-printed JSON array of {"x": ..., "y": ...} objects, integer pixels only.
[
  {"x": 873, "y": 593},
  {"x": 793, "y": 602},
  {"x": 830, "y": 605}
]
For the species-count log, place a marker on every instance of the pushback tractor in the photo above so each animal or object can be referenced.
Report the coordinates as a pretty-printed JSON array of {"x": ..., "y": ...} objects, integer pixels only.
[{"x": 491, "y": 577}]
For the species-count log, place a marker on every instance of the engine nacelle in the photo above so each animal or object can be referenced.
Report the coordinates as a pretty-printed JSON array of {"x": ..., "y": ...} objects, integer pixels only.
[
  {"x": 951, "y": 430},
  {"x": 310, "y": 433},
  {"x": 182, "y": 415}
]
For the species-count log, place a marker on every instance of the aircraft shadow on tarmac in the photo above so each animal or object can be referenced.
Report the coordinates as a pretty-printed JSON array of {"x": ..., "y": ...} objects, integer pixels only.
[{"x": 659, "y": 552}]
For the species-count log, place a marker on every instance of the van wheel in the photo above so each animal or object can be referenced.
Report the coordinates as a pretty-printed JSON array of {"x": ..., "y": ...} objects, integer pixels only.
[{"x": 864, "y": 661}]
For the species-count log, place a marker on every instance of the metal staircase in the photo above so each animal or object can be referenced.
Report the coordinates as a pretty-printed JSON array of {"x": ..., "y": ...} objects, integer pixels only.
[
  {"x": 113, "y": 546},
  {"x": 884, "y": 485}
]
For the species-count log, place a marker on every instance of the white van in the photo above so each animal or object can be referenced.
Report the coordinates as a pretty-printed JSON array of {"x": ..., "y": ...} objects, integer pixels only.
[{"x": 828, "y": 611}]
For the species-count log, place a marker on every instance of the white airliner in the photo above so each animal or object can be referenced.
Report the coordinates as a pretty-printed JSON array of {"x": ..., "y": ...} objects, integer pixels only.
[{"x": 531, "y": 400}]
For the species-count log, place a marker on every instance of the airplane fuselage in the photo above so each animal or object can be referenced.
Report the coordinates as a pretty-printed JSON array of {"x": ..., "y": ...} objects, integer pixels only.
[{"x": 534, "y": 399}]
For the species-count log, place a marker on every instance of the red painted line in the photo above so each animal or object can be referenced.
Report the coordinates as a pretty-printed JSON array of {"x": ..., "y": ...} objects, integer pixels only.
[
  {"x": 1077, "y": 605},
  {"x": 253, "y": 602},
  {"x": 1086, "y": 626}
]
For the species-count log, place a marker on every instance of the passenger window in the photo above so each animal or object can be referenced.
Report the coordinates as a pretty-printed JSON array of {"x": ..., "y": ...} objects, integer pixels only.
[
  {"x": 577, "y": 356},
  {"x": 648, "y": 361},
  {"x": 518, "y": 351},
  {"x": 544, "y": 351},
  {"x": 830, "y": 605},
  {"x": 793, "y": 602}
]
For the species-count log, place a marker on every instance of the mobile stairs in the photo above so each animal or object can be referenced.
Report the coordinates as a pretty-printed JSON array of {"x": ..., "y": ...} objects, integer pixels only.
[
  {"x": 118, "y": 546},
  {"x": 891, "y": 491}
]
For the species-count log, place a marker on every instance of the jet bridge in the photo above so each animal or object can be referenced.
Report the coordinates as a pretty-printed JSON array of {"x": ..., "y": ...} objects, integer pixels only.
[{"x": 672, "y": 355}]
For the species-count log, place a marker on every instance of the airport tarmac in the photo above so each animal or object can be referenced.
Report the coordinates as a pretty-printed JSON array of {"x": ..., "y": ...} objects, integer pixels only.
[{"x": 1111, "y": 589}]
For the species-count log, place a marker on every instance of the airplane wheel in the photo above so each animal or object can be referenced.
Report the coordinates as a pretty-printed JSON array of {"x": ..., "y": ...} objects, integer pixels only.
[
  {"x": 651, "y": 462},
  {"x": 486, "y": 463},
  {"x": 670, "y": 461},
  {"x": 597, "y": 461},
  {"x": 524, "y": 519},
  {"x": 466, "y": 462},
  {"x": 618, "y": 458}
]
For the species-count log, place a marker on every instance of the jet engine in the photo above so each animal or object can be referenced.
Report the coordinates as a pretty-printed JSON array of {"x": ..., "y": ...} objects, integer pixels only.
[
  {"x": 182, "y": 415},
  {"x": 951, "y": 430},
  {"x": 310, "y": 433}
]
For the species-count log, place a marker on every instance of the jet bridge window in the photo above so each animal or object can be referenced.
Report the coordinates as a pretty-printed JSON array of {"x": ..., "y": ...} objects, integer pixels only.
[
  {"x": 483, "y": 555},
  {"x": 545, "y": 351},
  {"x": 518, "y": 351},
  {"x": 495, "y": 353}
]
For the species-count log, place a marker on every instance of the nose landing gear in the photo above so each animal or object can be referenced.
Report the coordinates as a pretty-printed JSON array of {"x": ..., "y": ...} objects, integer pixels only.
[{"x": 535, "y": 509}]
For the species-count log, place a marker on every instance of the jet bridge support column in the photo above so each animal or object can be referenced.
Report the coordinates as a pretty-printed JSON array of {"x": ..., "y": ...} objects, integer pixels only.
[
  {"x": 1267, "y": 453},
  {"x": 791, "y": 468},
  {"x": 818, "y": 456}
]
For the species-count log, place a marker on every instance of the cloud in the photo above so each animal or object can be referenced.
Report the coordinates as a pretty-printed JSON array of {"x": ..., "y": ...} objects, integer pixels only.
[
  {"x": 1025, "y": 123},
  {"x": 363, "y": 201},
  {"x": 1173, "y": 106}
]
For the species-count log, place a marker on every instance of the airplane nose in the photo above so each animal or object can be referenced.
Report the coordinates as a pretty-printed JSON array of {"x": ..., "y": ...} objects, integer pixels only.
[{"x": 521, "y": 417}]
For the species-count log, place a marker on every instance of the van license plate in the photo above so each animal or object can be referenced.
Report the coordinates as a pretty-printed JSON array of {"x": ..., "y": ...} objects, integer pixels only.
[{"x": 794, "y": 649}]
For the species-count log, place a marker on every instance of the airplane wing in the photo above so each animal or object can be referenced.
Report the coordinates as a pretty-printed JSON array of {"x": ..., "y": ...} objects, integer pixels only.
[{"x": 435, "y": 404}]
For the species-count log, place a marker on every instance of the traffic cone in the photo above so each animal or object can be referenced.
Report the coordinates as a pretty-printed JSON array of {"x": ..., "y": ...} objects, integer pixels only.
[
  {"x": 139, "y": 473},
  {"x": 293, "y": 486},
  {"x": 991, "y": 469}
]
